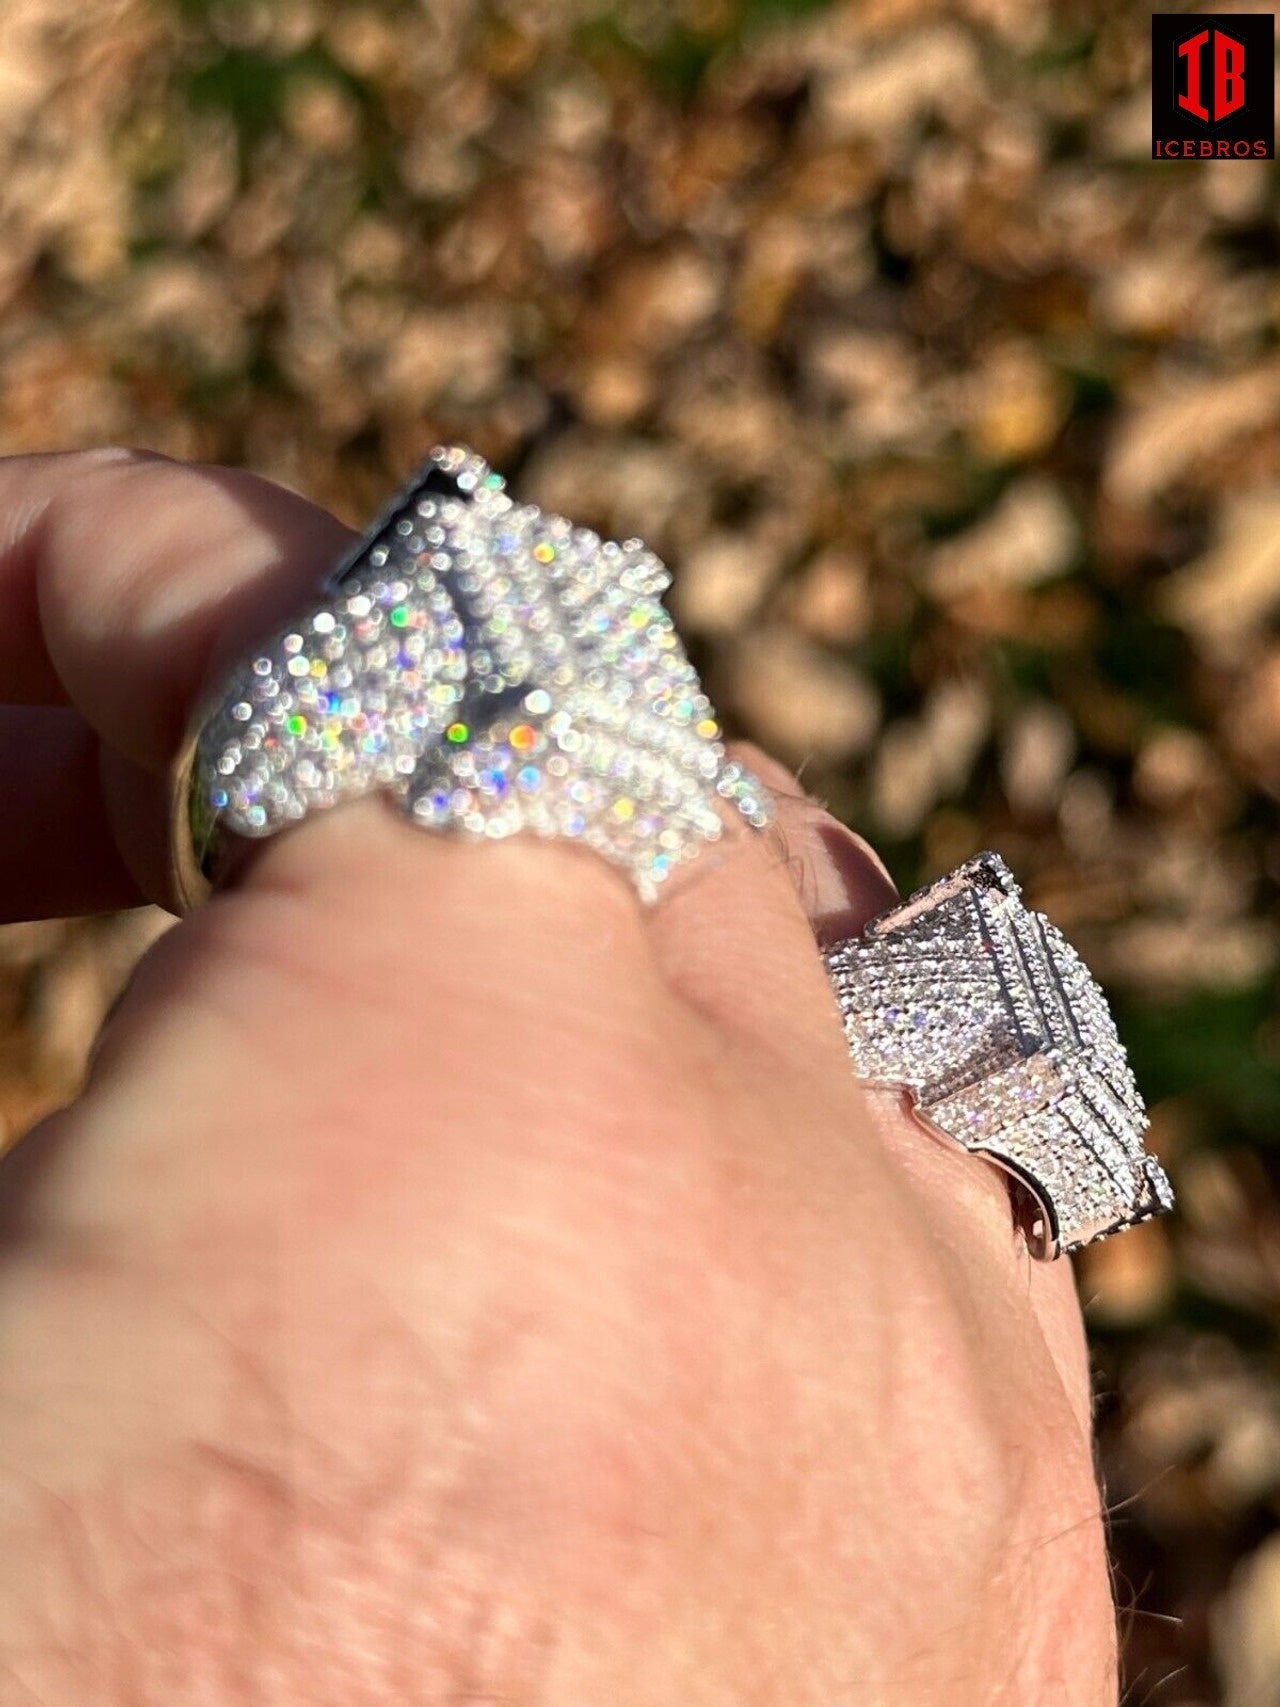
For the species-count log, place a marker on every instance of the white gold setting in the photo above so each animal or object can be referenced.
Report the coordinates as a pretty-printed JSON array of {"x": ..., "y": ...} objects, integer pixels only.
[
  {"x": 985, "y": 1014},
  {"x": 490, "y": 667}
]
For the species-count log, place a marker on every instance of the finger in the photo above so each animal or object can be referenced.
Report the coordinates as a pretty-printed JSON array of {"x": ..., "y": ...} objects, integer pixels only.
[
  {"x": 737, "y": 933},
  {"x": 32, "y": 486},
  {"x": 58, "y": 856},
  {"x": 839, "y": 878},
  {"x": 839, "y": 883},
  {"x": 122, "y": 578},
  {"x": 123, "y": 571},
  {"x": 741, "y": 939},
  {"x": 842, "y": 883}
]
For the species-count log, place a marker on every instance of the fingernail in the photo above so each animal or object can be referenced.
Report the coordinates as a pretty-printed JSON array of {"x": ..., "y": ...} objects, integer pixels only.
[{"x": 850, "y": 881}]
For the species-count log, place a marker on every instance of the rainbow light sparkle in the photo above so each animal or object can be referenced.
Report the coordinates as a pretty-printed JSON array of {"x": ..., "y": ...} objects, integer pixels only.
[{"x": 583, "y": 716}]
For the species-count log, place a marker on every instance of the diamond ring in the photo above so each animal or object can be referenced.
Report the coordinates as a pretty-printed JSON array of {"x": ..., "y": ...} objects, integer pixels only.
[
  {"x": 982, "y": 1011},
  {"x": 490, "y": 668}
]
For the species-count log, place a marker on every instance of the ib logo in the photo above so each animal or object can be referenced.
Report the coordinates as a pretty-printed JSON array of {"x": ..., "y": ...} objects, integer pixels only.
[{"x": 1213, "y": 85}]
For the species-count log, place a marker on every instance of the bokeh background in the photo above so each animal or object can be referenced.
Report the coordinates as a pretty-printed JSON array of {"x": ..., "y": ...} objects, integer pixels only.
[{"x": 958, "y": 417}]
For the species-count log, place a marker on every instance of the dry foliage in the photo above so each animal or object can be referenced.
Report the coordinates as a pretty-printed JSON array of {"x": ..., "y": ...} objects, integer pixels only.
[{"x": 958, "y": 416}]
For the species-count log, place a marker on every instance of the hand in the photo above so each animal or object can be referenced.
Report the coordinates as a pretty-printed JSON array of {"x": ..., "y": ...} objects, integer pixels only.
[{"x": 456, "y": 1283}]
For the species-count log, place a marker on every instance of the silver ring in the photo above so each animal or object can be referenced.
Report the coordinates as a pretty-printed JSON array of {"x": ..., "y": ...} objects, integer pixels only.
[
  {"x": 489, "y": 667},
  {"x": 982, "y": 1011}
]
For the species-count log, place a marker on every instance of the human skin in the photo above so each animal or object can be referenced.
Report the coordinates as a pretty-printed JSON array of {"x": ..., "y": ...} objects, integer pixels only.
[{"x": 456, "y": 1282}]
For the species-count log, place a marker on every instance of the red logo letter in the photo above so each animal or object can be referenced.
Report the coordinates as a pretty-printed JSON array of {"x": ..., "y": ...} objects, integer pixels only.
[
  {"x": 1190, "y": 51},
  {"x": 1228, "y": 74}
]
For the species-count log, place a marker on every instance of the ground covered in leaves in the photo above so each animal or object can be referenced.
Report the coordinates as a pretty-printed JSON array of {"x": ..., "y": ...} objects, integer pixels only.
[{"x": 958, "y": 417}]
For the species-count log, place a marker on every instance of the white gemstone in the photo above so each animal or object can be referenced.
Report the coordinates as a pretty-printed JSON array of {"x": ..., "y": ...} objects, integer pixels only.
[
  {"x": 407, "y": 677},
  {"x": 986, "y": 1014}
]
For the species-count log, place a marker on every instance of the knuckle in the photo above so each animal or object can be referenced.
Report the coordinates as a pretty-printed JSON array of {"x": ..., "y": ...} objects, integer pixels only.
[{"x": 113, "y": 455}]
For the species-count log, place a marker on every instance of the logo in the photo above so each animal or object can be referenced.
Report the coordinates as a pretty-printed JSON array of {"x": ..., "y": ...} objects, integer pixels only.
[
  {"x": 1228, "y": 75},
  {"x": 1213, "y": 86}
]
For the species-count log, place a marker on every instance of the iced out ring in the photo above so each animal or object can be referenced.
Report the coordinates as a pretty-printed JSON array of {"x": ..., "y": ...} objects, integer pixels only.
[
  {"x": 490, "y": 668},
  {"x": 985, "y": 1015}
]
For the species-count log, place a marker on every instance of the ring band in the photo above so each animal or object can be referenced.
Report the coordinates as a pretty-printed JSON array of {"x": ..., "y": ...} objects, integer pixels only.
[
  {"x": 983, "y": 1012},
  {"x": 491, "y": 668}
]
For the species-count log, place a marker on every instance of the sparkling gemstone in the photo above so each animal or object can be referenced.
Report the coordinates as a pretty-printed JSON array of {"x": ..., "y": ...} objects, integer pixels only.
[
  {"x": 1011, "y": 1048},
  {"x": 474, "y": 641}
]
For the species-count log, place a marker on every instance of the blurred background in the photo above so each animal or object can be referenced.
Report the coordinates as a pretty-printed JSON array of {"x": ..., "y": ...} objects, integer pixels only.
[{"x": 957, "y": 416}]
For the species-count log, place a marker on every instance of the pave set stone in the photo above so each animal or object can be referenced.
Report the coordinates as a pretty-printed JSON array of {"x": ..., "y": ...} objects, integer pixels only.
[
  {"x": 492, "y": 667},
  {"x": 983, "y": 1011}
]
